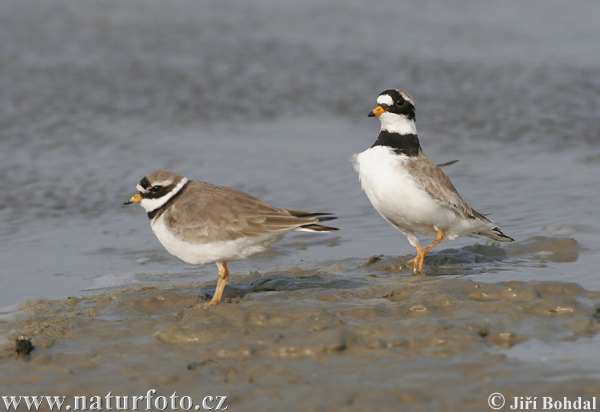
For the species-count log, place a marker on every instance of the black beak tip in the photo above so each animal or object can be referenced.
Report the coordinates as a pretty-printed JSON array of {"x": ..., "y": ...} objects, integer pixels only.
[
  {"x": 127, "y": 202},
  {"x": 371, "y": 114}
]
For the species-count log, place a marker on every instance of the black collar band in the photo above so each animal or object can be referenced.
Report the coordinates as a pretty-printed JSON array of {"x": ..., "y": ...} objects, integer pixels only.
[{"x": 407, "y": 144}]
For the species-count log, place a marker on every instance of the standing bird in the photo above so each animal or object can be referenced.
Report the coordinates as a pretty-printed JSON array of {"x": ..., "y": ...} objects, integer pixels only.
[
  {"x": 410, "y": 191},
  {"x": 203, "y": 223}
]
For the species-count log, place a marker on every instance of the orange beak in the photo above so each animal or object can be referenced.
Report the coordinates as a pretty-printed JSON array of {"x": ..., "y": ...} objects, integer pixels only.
[
  {"x": 137, "y": 198},
  {"x": 376, "y": 112}
]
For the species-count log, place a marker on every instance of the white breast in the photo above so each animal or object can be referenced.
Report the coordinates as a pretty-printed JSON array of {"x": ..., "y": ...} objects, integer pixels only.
[
  {"x": 394, "y": 193},
  {"x": 210, "y": 252}
]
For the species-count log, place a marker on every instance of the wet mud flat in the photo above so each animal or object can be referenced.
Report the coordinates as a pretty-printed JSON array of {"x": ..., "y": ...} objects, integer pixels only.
[{"x": 352, "y": 335}]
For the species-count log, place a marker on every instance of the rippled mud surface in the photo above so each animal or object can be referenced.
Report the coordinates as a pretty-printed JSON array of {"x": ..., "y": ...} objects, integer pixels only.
[
  {"x": 317, "y": 339},
  {"x": 271, "y": 98}
]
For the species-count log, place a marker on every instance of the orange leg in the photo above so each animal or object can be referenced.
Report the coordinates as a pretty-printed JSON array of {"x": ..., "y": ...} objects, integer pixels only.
[
  {"x": 418, "y": 260},
  {"x": 223, "y": 276},
  {"x": 415, "y": 261}
]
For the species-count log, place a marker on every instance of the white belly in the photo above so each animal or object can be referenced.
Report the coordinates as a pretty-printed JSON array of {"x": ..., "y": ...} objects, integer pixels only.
[
  {"x": 201, "y": 253},
  {"x": 396, "y": 196}
]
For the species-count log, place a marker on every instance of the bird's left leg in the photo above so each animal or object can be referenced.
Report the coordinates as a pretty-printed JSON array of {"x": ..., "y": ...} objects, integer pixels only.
[
  {"x": 418, "y": 260},
  {"x": 412, "y": 239}
]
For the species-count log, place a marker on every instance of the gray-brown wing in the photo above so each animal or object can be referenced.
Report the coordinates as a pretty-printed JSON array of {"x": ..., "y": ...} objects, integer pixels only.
[
  {"x": 210, "y": 213},
  {"x": 439, "y": 186}
]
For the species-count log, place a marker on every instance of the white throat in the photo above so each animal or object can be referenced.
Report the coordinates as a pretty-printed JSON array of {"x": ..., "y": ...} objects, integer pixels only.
[
  {"x": 152, "y": 204},
  {"x": 395, "y": 123}
]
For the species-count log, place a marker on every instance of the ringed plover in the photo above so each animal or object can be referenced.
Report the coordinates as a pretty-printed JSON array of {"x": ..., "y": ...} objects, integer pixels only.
[
  {"x": 203, "y": 223},
  {"x": 407, "y": 189}
]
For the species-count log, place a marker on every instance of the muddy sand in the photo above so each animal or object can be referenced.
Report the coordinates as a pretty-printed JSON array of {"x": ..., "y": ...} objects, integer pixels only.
[{"x": 353, "y": 335}]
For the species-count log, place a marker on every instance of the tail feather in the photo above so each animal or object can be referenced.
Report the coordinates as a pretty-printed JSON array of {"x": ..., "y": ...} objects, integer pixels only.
[
  {"x": 314, "y": 227},
  {"x": 318, "y": 228},
  {"x": 300, "y": 213},
  {"x": 326, "y": 218},
  {"x": 496, "y": 234}
]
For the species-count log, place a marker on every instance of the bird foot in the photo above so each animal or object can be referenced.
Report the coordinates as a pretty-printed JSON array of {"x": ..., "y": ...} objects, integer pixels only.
[
  {"x": 417, "y": 262},
  {"x": 213, "y": 302},
  {"x": 223, "y": 276}
]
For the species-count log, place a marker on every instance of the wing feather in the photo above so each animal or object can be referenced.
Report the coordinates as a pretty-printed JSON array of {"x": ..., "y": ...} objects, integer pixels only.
[
  {"x": 433, "y": 179},
  {"x": 211, "y": 213}
]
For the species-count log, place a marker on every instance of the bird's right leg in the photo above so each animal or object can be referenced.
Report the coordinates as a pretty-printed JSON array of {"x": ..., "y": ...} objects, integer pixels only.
[{"x": 223, "y": 276}]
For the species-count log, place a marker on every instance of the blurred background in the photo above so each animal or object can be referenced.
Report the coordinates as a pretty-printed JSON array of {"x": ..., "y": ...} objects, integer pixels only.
[{"x": 272, "y": 98}]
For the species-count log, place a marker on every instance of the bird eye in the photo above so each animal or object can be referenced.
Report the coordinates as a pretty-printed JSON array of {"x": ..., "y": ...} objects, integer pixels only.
[
  {"x": 155, "y": 189},
  {"x": 400, "y": 103}
]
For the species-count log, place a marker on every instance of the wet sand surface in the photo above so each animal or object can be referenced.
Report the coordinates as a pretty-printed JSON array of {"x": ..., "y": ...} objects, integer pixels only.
[
  {"x": 272, "y": 99},
  {"x": 311, "y": 340}
]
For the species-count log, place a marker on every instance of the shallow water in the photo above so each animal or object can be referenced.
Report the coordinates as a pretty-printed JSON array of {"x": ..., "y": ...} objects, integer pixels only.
[{"x": 272, "y": 99}]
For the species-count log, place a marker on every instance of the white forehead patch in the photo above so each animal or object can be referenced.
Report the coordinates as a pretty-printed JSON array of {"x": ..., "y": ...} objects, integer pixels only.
[{"x": 385, "y": 99}]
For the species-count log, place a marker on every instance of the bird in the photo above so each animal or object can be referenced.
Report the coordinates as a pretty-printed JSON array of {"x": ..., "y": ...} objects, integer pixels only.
[
  {"x": 407, "y": 189},
  {"x": 202, "y": 223}
]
